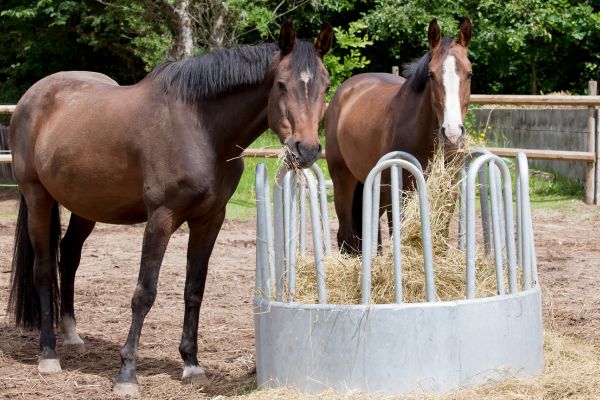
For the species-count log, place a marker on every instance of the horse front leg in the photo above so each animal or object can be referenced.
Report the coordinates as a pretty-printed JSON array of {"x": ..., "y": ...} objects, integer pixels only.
[
  {"x": 161, "y": 224},
  {"x": 203, "y": 235}
]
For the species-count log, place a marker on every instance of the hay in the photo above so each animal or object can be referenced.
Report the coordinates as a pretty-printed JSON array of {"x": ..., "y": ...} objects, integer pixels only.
[
  {"x": 572, "y": 370},
  {"x": 343, "y": 274}
]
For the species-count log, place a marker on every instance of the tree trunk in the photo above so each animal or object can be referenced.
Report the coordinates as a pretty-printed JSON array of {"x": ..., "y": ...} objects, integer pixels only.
[
  {"x": 534, "y": 88},
  {"x": 184, "y": 39},
  {"x": 219, "y": 29}
]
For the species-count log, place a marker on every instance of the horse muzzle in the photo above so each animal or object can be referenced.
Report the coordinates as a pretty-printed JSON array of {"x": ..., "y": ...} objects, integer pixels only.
[
  {"x": 454, "y": 136},
  {"x": 302, "y": 155}
]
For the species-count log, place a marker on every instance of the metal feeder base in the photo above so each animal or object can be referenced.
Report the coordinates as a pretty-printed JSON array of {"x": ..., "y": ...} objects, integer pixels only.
[{"x": 398, "y": 348}]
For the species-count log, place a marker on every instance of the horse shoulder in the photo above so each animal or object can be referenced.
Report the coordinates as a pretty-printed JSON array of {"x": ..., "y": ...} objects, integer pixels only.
[{"x": 359, "y": 119}]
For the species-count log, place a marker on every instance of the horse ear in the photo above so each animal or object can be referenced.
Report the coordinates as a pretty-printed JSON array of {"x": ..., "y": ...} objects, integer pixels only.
[
  {"x": 287, "y": 38},
  {"x": 324, "y": 40},
  {"x": 464, "y": 37},
  {"x": 434, "y": 34}
]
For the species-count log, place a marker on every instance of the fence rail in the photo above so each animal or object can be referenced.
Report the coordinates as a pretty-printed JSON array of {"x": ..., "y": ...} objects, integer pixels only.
[
  {"x": 590, "y": 157},
  {"x": 582, "y": 156},
  {"x": 7, "y": 109},
  {"x": 530, "y": 100},
  {"x": 484, "y": 99}
]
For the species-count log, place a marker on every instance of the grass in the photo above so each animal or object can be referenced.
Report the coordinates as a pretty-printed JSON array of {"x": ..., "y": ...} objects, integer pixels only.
[{"x": 242, "y": 205}]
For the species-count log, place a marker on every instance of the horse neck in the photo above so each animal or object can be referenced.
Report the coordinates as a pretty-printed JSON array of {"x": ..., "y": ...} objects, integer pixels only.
[
  {"x": 422, "y": 121},
  {"x": 239, "y": 117}
]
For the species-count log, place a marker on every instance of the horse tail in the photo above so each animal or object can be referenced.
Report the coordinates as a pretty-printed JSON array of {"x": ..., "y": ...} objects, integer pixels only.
[
  {"x": 357, "y": 206},
  {"x": 24, "y": 302}
]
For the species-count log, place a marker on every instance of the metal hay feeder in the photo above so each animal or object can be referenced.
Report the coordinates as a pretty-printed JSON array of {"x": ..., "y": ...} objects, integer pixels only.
[{"x": 431, "y": 347}]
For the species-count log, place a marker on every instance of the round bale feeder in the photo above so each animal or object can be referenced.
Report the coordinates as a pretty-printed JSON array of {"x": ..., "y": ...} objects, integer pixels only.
[{"x": 431, "y": 346}]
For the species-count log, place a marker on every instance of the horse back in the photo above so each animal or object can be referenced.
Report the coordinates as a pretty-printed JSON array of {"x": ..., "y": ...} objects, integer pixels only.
[{"x": 358, "y": 119}]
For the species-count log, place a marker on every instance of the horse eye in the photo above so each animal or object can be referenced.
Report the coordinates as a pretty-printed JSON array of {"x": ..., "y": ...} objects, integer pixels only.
[
  {"x": 282, "y": 87},
  {"x": 469, "y": 75},
  {"x": 431, "y": 76},
  {"x": 327, "y": 89}
]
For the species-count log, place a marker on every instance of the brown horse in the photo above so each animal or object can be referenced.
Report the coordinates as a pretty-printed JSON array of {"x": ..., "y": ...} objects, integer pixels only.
[
  {"x": 159, "y": 151},
  {"x": 373, "y": 114}
]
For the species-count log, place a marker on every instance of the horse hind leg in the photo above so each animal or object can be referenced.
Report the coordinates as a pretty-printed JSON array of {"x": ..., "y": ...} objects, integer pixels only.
[
  {"x": 35, "y": 292},
  {"x": 345, "y": 186},
  {"x": 70, "y": 255}
]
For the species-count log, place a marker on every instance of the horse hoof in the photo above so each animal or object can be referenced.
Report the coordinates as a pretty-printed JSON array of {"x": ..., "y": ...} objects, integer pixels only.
[
  {"x": 49, "y": 366},
  {"x": 126, "y": 389},
  {"x": 195, "y": 375}
]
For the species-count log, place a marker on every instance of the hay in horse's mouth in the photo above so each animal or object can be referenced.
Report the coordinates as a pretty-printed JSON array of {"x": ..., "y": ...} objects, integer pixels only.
[{"x": 290, "y": 159}]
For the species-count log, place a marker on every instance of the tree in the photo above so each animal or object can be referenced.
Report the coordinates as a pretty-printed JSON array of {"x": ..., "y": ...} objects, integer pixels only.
[{"x": 518, "y": 46}]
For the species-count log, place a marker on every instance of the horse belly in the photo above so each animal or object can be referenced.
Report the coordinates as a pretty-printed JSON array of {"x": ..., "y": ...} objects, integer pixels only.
[
  {"x": 91, "y": 201},
  {"x": 93, "y": 184}
]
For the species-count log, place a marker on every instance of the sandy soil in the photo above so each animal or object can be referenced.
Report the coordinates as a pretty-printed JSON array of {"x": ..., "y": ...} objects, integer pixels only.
[{"x": 568, "y": 243}]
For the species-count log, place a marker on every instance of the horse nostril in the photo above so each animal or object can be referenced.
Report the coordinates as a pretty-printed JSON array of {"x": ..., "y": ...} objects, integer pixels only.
[
  {"x": 298, "y": 148},
  {"x": 462, "y": 129},
  {"x": 443, "y": 130},
  {"x": 319, "y": 149}
]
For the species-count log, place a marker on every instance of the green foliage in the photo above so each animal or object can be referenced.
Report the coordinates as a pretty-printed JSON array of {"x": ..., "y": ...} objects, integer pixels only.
[
  {"x": 518, "y": 46},
  {"x": 353, "y": 40},
  {"x": 38, "y": 38}
]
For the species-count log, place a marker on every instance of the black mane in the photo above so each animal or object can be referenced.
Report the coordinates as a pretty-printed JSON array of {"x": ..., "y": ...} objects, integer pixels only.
[
  {"x": 211, "y": 74},
  {"x": 417, "y": 72}
]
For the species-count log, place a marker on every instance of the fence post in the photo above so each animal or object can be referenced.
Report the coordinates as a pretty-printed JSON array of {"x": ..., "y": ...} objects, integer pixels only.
[
  {"x": 597, "y": 180},
  {"x": 590, "y": 189}
]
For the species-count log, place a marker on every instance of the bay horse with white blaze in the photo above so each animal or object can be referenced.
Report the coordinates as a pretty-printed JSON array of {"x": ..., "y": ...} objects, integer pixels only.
[
  {"x": 165, "y": 151},
  {"x": 374, "y": 113}
]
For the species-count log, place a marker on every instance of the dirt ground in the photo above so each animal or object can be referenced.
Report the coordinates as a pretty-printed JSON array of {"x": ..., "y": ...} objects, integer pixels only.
[{"x": 568, "y": 247}]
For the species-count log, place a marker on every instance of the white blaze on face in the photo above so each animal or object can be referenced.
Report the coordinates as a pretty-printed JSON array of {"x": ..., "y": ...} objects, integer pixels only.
[
  {"x": 452, "y": 116},
  {"x": 306, "y": 76}
]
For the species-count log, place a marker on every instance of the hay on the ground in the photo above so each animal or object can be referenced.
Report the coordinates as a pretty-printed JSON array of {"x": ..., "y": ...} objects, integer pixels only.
[{"x": 572, "y": 370}]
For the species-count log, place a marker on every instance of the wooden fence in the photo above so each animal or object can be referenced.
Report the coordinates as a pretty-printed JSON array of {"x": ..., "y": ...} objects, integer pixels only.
[{"x": 591, "y": 157}]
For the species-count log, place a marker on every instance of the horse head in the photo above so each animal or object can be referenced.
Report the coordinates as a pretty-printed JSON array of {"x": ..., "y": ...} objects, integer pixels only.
[
  {"x": 297, "y": 98},
  {"x": 450, "y": 80}
]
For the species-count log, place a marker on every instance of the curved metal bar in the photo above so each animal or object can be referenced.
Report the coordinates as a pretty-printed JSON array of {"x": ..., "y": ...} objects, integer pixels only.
[
  {"x": 315, "y": 217},
  {"x": 289, "y": 222},
  {"x": 484, "y": 199},
  {"x": 473, "y": 153},
  {"x": 302, "y": 211},
  {"x": 396, "y": 234},
  {"x": 323, "y": 205},
  {"x": 500, "y": 210},
  {"x": 279, "y": 241},
  {"x": 518, "y": 199},
  {"x": 400, "y": 155},
  {"x": 495, "y": 208},
  {"x": 287, "y": 190},
  {"x": 263, "y": 235},
  {"x": 473, "y": 171},
  {"x": 367, "y": 221},
  {"x": 526, "y": 229},
  {"x": 375, "y": 212}
]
